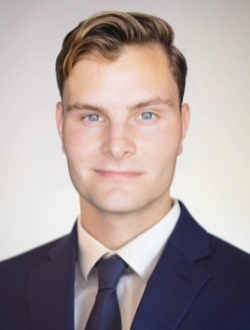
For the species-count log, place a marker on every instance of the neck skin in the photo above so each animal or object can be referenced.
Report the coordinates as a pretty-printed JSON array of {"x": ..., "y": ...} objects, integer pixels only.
[{"x": 114, "y": 230}]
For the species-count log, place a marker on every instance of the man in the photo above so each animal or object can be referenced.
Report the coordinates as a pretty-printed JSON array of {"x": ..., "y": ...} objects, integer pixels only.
[{"x": 122, "y": 122}]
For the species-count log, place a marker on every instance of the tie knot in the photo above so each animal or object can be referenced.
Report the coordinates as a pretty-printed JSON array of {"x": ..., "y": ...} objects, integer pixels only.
[{"x": 109, "y": 272}]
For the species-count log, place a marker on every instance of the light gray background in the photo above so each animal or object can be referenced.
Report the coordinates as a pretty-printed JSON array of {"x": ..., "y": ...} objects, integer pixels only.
[{"x": 37, "y": 201}]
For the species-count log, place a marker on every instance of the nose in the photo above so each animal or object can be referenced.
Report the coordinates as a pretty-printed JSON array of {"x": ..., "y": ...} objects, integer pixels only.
[{"x": 119, "y": 141}]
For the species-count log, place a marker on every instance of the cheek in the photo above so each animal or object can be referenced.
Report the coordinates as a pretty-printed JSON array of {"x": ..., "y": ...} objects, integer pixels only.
[
  {"x": 162, "y": 151},
  {"x": 80, "y": 147},
  {"x": 165, "y": 142},
  {"x": 72, "y": 144}
]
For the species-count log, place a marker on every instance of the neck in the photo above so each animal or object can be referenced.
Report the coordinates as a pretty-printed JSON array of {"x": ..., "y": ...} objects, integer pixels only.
[{"x": 115, "y": 230}]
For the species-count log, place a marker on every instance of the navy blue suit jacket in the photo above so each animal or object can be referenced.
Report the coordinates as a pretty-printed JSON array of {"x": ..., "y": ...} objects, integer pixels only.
[{"x": 199, "y": 283}]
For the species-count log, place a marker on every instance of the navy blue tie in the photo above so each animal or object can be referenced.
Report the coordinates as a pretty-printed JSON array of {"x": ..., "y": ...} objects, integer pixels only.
[{"x": 105, "y": 314}]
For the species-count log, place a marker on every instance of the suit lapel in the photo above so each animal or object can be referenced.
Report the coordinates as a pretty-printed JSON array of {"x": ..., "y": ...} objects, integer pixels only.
[
  {"x": 171, "y": 289},
  {"x": 176, "y": 280},
  {"x": 51, "y": 288}
]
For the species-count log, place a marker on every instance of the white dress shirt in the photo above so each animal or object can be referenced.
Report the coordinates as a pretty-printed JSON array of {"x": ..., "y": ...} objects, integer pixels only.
[{"x": 141, "y": 254}]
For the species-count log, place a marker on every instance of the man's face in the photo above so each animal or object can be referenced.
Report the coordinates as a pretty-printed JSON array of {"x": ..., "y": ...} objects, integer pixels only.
[{"x": 122, "y": 130}]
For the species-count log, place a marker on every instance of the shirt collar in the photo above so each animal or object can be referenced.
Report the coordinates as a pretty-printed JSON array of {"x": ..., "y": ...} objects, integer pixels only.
[{"x": 141, "y": 254}]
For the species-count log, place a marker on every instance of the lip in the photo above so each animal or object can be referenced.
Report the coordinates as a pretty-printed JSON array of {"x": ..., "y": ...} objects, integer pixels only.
[{"x": 118, "y": 174}]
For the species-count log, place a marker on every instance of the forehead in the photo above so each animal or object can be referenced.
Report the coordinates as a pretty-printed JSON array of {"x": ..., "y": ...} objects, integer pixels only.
[{"x": 136, "y": 69}]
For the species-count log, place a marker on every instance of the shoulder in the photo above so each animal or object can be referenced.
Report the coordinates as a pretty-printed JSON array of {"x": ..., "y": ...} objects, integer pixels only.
[
  {"x": 225, "y": 296},
  {"x": 14, "y": 271},
  {"x": 234, "y": 261},
  {"x": 221, "y": 259},
  {"x": 37, "y": 270}
]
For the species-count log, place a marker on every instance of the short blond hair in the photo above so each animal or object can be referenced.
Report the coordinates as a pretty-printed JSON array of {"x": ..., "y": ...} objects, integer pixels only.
[{"x": 107, "y": 33}]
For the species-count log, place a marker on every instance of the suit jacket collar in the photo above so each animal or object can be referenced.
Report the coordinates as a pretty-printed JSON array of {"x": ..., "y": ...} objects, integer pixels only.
[
  {"x": 51, "y": 287},
  {"x": 170, "y": 291},
  {"x": 177, "y": 278}
]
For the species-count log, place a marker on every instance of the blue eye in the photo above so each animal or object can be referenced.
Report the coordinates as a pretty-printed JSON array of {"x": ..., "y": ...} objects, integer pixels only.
[
  {"x": 93, "y": 117},
  {"x": 147, "y": 115}
]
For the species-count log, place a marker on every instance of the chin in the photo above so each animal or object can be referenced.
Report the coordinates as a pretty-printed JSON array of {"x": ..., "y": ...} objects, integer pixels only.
[{"x": 116, "y": 204}]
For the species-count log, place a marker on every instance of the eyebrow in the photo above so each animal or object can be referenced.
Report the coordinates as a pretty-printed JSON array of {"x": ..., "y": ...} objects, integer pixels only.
[
  {"x": 154, "y": 101},
  {"x": 140, "y": 105},
  {"x": 84, "y": 106}
]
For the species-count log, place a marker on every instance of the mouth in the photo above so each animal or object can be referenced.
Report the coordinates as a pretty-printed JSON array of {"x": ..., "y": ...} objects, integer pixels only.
[{"x": 118, "y": 175}]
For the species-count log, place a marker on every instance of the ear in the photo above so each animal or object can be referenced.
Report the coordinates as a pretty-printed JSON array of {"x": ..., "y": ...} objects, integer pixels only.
[
  {"x": 185, "y": 120},
  {"x": 59, "y": 117},
  {"x": 59, "y": 120}
]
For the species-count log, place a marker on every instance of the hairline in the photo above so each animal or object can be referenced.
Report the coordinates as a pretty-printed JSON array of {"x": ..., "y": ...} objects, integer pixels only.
[
  {"x": 138, "y": 29},
  {"x": 91, "y": 54}
]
